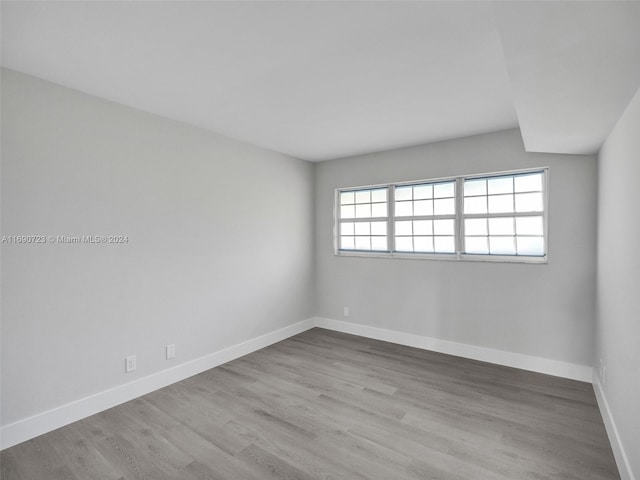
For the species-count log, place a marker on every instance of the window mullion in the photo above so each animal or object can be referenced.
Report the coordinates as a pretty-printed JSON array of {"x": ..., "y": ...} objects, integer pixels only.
[
  {"x": 391, "y": 212},
  {"x": 459, "y": 226}
]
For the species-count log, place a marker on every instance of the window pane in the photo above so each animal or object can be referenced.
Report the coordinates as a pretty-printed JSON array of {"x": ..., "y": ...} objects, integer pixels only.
[
  {"x": 476, "y": 245},
  {"x": 529, "y": 202},
  {"x": 501, "y": 204},
  {"x": 347, "y": 198},
  {"x": 443, "y": 190},
  {"x": 347, "y": 243},
  {"x": 443, "y": 227},
  {"x": 423, "y": 227},
  {"x": 475, "y": 205},
  {"x": 379, "y": 243},
  {"x": 530, "y": 245},
  {"x": 502, "y": 245},
  {"x": 363, "y": 211},
  {"x": 529, "y": 226},
  {"x": 379, "y": 210},
  {"x": 403, "y": 228},
  {"x": 423, "y": 244},
  {"x": 422, "y": 191},
  {"x": 475, "y": 187},
  {"x": 403, "y": 193},
  {"x": 379, "y": 195},
  {"x": 363, "y": 228},
  {"x": 423, "y": 207},
  {"x": 347, "y": 211},
  {"x": 444, "y": 244},
  {"x": 529, "y": 183},
  {"x": 499, "y": 185},
  {"x": 404, "y": 244},
  {"x": 363, "y": 243},
  {"x": 445, "y": 206},
  {"x": 475, "y": 226},
  {"x": 378, "y": 228},
  {"x": 501, "y": 226},
  {"x": 346, "y": 228},
  {"x": 403, "y": 209},
  {"x": 363, "y": 196}
]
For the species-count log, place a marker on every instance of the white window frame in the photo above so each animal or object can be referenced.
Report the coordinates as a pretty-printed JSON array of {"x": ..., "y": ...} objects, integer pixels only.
[{"x": 459, "y": 254}]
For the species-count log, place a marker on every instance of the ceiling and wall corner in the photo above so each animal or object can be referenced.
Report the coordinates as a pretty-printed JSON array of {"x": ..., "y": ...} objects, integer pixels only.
[{"x": 324, "y": 80}]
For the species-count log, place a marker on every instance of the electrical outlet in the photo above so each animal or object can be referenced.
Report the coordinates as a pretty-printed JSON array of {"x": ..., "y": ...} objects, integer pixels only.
[
  {"x": 345, "y": 311},
  {"x": 130, "y": 364},
  {"x": 604, "y": 375},
  {"x": 171, "y": 351}
]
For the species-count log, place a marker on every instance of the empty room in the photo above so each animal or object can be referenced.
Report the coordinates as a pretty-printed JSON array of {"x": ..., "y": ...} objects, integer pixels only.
[{"x": 378, "y": 240}]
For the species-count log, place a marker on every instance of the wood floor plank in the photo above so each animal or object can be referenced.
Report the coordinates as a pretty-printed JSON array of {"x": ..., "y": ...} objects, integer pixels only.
[{"x": 326, "y": 405}]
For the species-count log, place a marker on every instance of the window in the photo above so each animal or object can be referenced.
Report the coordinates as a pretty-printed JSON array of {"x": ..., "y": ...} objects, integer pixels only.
[
  {"x": 504, "y": 215},
  {"x": 425, "y": 217},
  {"x": 492, "y": 216},
  {"x": 364, "y": 219}
]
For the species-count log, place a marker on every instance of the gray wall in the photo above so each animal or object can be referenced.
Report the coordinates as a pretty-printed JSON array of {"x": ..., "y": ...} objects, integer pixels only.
[
  {"x": 618, "y": 291},
  {"x": 540, "y": 310},
  {"x": 220, "y": 243}
]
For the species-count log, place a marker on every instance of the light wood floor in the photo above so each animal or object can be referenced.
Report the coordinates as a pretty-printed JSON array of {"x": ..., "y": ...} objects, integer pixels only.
[{"x": 325, "y": 405}]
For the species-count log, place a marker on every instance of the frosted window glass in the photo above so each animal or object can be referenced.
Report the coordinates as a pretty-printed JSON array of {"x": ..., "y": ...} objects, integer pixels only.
[
  {"x": 444, "y": 244},
  {"x": 529, "y": 183},
  {"x": 529, "y": 226},
  {"x": 347, "y": 198},
  {"x": 378, "y": 228},
  {"x": 379, "y": 243},
  {"x": 530, "y": 245},
  {"x": 475, "y": 226},
  {"x": 422, "y": 227},
  {"x": 443, "y": 227},
  {"x": 423, "y": 207},
  {"x": 475, "y": 187},
  {"x": 363, "y": 243},
  {"x": 403, "y": 193},
  {"x": 499, "y": 185},
  {"x": 422, "y": 191},
  {"x": 347, "y": 211},
  {"x": 404, "y": 244},
  {"x": 347, "y": 243},
  {"x": 379, "y": 210},
  {"x": 363, "y": 211},
  {"x": 379, "y": 195},
  {"x": 501, "y": 204},
  {"x": 403, "y": 228},
  {"x": 502, "y": 245},
  {"x": 443, "y": 190},
  {"x": 423, "y": 244},
  {"x": 363, "y": 228},
  {"x": 363, "y": 196},
  {"x": 346, "y": 228},
  {"x": 501, "y": 226},
  {"x": 529, "y": 202},
  {"x": 403, "y": 209},
  {"x": 476, "y": 245},
  {"x": 475, "y": 205},
  {"x": 445, "y": 206}
]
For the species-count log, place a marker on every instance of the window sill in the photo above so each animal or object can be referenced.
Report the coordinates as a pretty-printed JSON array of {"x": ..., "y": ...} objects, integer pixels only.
[{"x": 456, "y": 257}]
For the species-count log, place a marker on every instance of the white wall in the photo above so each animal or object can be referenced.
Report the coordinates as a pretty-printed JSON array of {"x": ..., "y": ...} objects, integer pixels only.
[
  {"x": 220, "y": 243},
  {"x": 618, "y": 290},
  {"x": 538, "y": 310}
]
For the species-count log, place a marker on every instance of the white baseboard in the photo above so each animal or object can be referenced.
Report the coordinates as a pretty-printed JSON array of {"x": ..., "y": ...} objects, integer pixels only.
[
  {"x": 557, "y": 368},
  {"x": 624, "y": 467},
  {"x": 44, "y": 422},
  {"x": 41, "y": 423}
]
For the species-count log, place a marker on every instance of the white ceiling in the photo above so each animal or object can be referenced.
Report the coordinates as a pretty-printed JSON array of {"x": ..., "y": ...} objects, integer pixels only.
[{"x": 322, "y": 80}]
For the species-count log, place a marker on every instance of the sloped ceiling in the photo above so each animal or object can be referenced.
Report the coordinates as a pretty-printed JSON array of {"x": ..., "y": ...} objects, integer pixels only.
[{"x": 324, "y": 80}]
